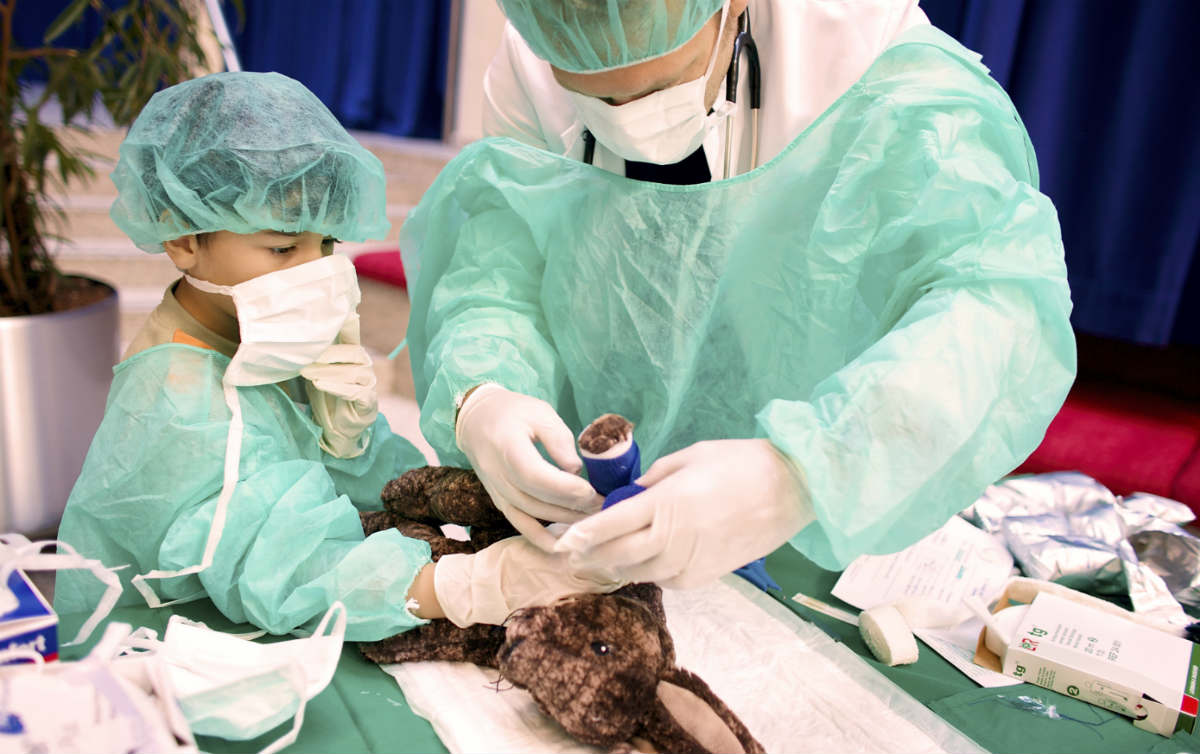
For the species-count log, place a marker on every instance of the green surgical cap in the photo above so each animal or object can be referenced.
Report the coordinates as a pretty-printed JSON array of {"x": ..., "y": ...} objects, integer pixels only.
[
  {"x": 586, "y": 36},
  {"x": 244, "y": 152}
]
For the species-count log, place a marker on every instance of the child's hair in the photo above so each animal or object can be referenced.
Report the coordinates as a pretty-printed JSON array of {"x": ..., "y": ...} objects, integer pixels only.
[{"x": 244, "y": 152}]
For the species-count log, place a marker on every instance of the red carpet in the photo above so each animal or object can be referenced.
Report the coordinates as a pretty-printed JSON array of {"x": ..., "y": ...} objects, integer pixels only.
[
  {"x": 384, "y": 266},
  {"x": 1128, "y": 439},
  {"x": 1132, "y": 421}
]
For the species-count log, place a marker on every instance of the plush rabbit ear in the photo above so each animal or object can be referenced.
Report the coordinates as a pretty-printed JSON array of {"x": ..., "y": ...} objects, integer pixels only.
[{"x": 692, "y": 716}]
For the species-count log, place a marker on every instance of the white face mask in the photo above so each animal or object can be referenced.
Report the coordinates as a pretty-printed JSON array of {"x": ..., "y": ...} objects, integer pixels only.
[
  {"x": 237, "y": 689},
  {"x": 286, "y": 319},
  {"x": 664, "y": 126}
]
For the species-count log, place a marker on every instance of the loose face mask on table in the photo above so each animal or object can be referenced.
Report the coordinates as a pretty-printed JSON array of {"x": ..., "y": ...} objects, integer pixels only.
[
  {"x": 286, "y": 319},
  {"x": 664, "y": 126},
  {"x": 238, "y": 689}
]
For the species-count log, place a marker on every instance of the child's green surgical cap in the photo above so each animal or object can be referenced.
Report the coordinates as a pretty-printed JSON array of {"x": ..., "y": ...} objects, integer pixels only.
[
  {"x": 586, "y": 36},
  {"x": 244, "y": 152}
]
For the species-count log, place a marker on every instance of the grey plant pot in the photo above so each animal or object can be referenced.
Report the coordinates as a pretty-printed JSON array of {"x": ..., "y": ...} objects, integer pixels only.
[{"x": 55, "y": 371}]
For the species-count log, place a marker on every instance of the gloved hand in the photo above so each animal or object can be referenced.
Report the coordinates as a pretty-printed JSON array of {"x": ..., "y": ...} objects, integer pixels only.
[
  {"x": 497, "y": 430},
  {"x": 486, "y": 586},
  {"x": 707, "y": 510},
  {"x": 341, "y": 393}
]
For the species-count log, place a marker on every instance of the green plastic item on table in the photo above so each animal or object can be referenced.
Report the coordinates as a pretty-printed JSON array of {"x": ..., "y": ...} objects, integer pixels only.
[{"x": 886, "y": 300}]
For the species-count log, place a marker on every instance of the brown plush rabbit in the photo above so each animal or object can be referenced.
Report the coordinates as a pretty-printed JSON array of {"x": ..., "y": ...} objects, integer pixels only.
[{"x": 601, "y": 665}]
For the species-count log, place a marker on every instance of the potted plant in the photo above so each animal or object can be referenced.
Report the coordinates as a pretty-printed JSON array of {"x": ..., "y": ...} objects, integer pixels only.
[{"x": 58, "y": 333}]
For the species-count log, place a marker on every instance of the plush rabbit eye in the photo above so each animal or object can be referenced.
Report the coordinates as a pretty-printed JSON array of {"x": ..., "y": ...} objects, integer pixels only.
[{"x": 601, "y": 648}]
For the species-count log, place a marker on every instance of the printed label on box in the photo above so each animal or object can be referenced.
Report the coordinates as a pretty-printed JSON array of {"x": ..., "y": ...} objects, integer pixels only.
[
  {"x": 1117, "y": 664},
  {"x": 32, "y": 624}
]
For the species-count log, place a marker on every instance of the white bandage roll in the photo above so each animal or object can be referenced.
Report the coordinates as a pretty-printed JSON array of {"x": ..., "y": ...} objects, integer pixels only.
[
  {"x": 887, "y": 635},
  {"x": 1003, "y": 626}
]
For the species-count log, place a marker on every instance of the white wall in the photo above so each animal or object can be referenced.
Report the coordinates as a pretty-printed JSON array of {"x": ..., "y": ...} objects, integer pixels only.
[{"x": 476, "y": 26}]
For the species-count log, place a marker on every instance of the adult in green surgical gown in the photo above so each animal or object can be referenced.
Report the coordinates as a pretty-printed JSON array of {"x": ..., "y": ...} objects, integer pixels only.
[{"x": 840, "y": 347}]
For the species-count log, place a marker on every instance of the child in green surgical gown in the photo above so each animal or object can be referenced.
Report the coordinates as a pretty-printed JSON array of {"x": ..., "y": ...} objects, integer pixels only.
[{"x": 241, "y": 437}]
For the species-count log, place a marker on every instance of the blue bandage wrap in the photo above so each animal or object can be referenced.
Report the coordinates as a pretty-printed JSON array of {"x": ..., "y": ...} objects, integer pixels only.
[
  {"x": 621, "y": 493},
  {"x": 613, "y": 478},
  {"x": 756, "y": 573},
  {"x": 607, "y": 474}
]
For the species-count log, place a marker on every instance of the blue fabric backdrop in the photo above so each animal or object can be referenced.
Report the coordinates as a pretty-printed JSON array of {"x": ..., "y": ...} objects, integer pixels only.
[
  {"x": 1108, "y": 90},
  {"x": 379, "y": 65}
]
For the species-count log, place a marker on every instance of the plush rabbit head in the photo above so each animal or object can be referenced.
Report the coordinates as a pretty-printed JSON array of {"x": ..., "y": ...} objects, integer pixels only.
[{"x": 591, "y": 662}]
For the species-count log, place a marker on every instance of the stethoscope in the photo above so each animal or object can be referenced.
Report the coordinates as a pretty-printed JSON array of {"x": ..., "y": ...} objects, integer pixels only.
[{"x": 743, "y": 42}]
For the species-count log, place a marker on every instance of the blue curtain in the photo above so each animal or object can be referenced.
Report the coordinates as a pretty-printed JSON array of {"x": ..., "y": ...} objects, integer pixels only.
[
  {"x": 1108, "y": 90},
  {"x": 379, "y": 65},
  {"x": 33, "y": 18}
]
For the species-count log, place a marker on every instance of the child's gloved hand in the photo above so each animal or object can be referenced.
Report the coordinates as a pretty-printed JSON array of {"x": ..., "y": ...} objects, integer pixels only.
[
  {"x": 497, "y": 430},
  {"x": 487, "y": 586},
  {"x": 707, "y": 510},
  {"x": 341, "y": 392}
]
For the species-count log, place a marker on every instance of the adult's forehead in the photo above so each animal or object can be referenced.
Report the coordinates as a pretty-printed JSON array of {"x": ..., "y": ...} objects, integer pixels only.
[{"x": 588, "y": 36}]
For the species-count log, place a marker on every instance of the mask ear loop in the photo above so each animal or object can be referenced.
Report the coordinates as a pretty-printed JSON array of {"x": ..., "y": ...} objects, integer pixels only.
[
  {"x": 233, "y": 454},
  {"x": 299, "y": 677},
  {"x": 29, "y": 555}
]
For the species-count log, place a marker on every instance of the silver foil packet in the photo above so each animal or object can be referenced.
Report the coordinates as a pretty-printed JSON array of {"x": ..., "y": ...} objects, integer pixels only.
[{"x": 1068, "y": 528}]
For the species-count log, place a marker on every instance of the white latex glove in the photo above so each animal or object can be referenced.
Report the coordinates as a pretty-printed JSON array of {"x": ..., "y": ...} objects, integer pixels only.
[
  {"x": 487, "y": 586},
  {"x": 341, "y": 392},
  {"x": 708, "y": 509},
  {"x": 497, "y": 430}
]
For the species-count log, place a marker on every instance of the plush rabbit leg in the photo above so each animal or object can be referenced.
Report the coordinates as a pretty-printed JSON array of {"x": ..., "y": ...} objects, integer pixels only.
[
  {"x": 442, "y": 494},
  {"x": 435, "y": 495},
  {"x": 439, "y": 640}
]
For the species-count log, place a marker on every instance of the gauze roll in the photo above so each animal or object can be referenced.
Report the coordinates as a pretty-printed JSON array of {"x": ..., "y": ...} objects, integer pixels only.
[{"x": 888, "y": 636}]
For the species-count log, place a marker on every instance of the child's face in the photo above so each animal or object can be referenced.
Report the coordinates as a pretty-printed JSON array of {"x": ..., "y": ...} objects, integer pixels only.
[{"x": 226, "y": 258}]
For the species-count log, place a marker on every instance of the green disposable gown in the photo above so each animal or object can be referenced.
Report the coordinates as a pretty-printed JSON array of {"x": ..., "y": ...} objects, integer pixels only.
[{"x": 292, "y": 543}]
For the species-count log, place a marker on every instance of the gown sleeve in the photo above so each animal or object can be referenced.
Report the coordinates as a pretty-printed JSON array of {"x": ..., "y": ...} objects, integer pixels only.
[
  {"x": 476, "y": 317},
  {"x": 292, "y": 543},
  {"x": 976, "y": 354}
]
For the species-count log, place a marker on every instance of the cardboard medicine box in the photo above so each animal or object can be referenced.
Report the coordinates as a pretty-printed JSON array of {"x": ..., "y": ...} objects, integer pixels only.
[
  {"x": 32, "y": 624},
  {"x": 1106, "y": 660}
]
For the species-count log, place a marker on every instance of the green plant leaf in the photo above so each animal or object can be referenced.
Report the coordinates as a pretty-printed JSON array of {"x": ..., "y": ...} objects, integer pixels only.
[{"x": 65, "y": 20}]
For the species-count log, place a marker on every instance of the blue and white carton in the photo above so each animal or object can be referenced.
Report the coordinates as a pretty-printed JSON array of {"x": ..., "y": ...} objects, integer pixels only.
[{"x": 32, "y": 624}]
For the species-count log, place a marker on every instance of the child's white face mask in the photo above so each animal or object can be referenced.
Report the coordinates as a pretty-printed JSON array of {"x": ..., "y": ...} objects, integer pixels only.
[{"x": 286, "y": 319}]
